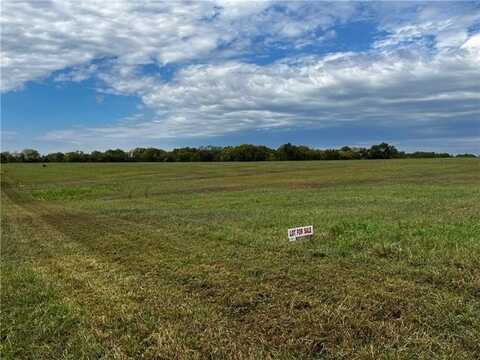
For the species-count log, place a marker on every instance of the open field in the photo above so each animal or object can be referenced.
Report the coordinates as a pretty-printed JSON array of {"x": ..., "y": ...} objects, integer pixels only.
[{"x": 191, "y": 261}]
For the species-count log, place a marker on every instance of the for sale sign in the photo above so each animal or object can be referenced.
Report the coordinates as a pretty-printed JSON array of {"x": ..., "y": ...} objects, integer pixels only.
[{"x": 297, "y": 232}]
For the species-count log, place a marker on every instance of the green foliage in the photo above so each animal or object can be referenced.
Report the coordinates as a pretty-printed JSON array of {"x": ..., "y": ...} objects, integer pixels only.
[
  {"x": 466, "y": 155},
  {"x": 116, "y": 155},
  {"x": 244, "y": 152},
  {"x": 76, "y": 156},
  {"x": 54, "y": 157},
  {"x": 382, "y": 151},
  {"x": 6, "y": 157},
  {"x": 30, "y": 155},
  {"x": 148, "y": 154},
  {"x": 247, "y": 152},
  {"x": 428, "y": 155}
]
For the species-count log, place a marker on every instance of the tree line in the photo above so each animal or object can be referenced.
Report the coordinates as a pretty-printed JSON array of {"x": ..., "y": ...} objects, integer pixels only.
[{"x": 245, "y": 152}]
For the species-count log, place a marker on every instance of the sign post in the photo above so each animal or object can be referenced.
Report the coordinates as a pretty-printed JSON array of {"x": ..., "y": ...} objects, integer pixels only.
[{"x": 301, "y": 231}]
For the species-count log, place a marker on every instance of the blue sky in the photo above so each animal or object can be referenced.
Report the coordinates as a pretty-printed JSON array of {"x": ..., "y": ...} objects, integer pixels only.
[{"x": 89, "y": 75}]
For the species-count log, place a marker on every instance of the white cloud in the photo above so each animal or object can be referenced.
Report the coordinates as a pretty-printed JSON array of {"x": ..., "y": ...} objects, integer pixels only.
[
  {"x": 375, "y": 87},
  {"x": 446, "y": 23},
  {"x": 39, "y": 38},
  {"x": 78, "y": 73},
  {"x": 424, "y": 68},
  {"x": 441, "y": 144}
]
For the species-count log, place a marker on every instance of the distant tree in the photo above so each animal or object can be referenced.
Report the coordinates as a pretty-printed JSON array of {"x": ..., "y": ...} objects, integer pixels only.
[
  {"x": 76, "y": 156},
  {"x": 465, "y": 156},
  {"x": 138, "y": 154},
  {"x": 286, "y": 152},
  {"x": 226, "y": 153},
  {"x": 382, "y": 151},
  {"x": 401, "y": 155},
  {"x": 293, "y": 152},
  {"x": 361, "y": 153},
  {"x": 426, "y": 155},
  {"x": 6, "y": 157},
  {"x": 148, "y": 154},
  {"x": 185, "y": 154},
  {"x": 97, "y": 156},
  {"x": 346, "y": 153},
  {"x": 18, "y": 156},
  {"x": 447, "y": 155},
  {"x": 331, "y": 154},
  {"x": 244, "y": 152},
  {"x": 54, "y": 157},
  {"x": 156, "y": 154},
  {"x": 247, "y": 152},
  {"x": 31, "y": 155},
  {"x": 169, "y": 157},
  {"x": 209, "y": 153},
  {"x": 356, "y": 153},
  {"x": 116, "y": 155}
]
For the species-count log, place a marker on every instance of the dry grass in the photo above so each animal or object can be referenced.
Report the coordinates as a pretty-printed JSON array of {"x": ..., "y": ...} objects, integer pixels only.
[{"x": 191, "y": 261}]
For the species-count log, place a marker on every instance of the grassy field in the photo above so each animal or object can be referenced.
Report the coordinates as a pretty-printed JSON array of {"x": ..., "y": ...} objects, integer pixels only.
[{"x": 192, "y": 261}]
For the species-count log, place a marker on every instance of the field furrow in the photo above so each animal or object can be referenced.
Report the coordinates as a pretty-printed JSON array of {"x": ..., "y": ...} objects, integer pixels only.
[{"x": 191, "y": 261}]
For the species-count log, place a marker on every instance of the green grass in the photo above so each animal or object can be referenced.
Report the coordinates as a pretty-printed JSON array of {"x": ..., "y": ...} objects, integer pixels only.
[{"x": 192, "y": 261}]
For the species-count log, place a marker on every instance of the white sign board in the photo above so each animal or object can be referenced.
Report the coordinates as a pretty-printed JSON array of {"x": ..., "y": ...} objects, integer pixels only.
[{"x": 297, "y": 232}]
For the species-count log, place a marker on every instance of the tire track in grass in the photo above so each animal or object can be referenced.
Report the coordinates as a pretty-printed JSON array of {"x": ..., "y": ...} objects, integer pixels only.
[
  {"x": 101, "y": 286},
  {"x": 252, "y": 319},
  {"x": 248, "y": 305},
  {"x": 236, "y": 308},
  {"x": 37, "y": 323}
]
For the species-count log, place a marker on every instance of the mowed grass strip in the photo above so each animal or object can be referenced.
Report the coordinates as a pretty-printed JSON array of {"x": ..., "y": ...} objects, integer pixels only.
[{"x": 192, "y": 260}]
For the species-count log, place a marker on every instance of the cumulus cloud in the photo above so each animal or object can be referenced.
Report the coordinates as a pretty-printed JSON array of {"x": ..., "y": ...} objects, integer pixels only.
[
  {"x": 423, "y": 65},
  {"x": 444, "y": 24},
  {"x": 206, "y": 100},
  {"x": 40, "y": 37}
]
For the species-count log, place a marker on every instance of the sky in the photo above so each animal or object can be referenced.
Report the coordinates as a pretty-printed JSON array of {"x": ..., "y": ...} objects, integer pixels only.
[{"x": 93, "y": 75}]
